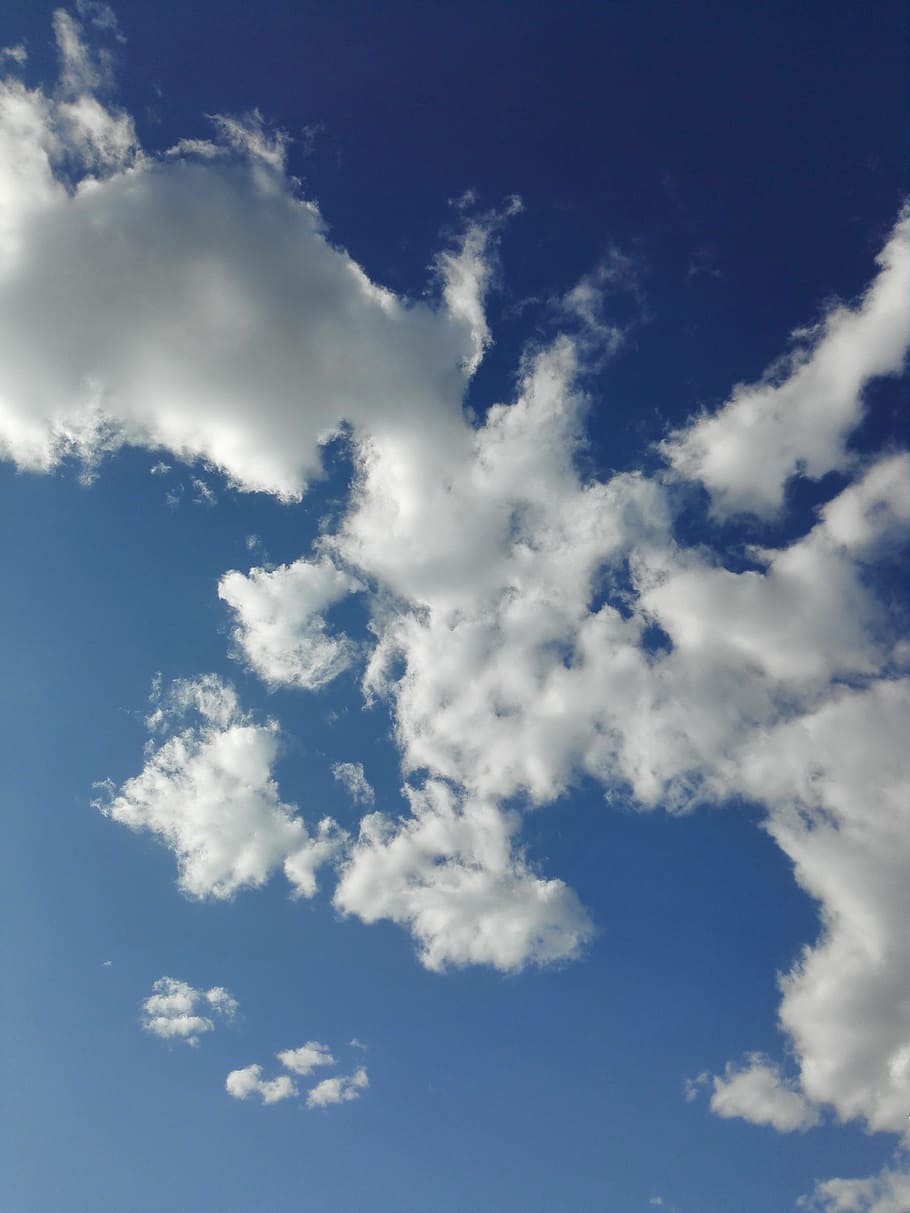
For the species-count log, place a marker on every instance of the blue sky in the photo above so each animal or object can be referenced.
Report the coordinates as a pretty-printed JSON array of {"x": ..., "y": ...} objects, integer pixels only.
[{"x": 454, "y": 484}]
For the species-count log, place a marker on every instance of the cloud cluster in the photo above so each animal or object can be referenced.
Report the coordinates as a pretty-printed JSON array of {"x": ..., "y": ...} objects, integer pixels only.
[
  {"x": 207, "y": 792},
  {"x": 176, "y": 1011},
  {"x": 341, "y": 1088},
  {"x": 529, "y": 623}
]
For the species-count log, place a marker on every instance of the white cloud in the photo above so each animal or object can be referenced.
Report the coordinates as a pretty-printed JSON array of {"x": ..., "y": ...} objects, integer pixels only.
[
  {"x": 204, "y": 494},
  {"x": 351, "y": 777},
  {"x": 797, "y": 419},
  {"x": 301, "y": 1062},
  {"x": 530, "y": 625},
  {"x": 341, "y": 1089},
  {"x": 208, "y": 793},
  {"x": 837, "y": 781},
  {"x": 873, "y": 509},
  {"x": 281, "y": 630},
  {"x": 192, "y": 304},
  {"x": 176, "y": 1011},
  {"x": 450, "y": 874},
  {"x": 759, "y": 1092},
  {"x": 307, "y": 1058},
  {"x": 249, "y": 1081},
  {"x": 887, "y": 1192},
  {"x": 15, "y": 54}
]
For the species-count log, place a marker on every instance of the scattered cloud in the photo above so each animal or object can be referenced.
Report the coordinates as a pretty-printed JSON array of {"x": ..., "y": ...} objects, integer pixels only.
[
  {"x": 203, "y": 494},
  {"x": 301, "y": 1062},
  {"x": 798, "y": 417},
  {"x": 887, "y": 1192},
  {"x": 207, "y": 792},
  {"x": 249, "y": 1081},
  {"x": 351, "y": 777},
  {"x": 341, "y": 1089},
  {"x": 759, "y": 1092},
  {"x": 658, "y": 1202},
  {"x": 176, "y": 1011},
  {"x": 17, "y": 54},
  {"x": 692, "y": 1087},
  {"x": 282, "y": 631},
  {"x": 307, "y": 1058},
  {"x": 450, "y": 874}
]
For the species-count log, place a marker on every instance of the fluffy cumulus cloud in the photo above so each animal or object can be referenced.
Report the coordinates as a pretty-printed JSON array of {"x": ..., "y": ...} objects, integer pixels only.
[
  {"x": 308, "y": 1057},
  {"x": 281, "y": 628},
  {"x": 152, "y": 300},
  {"x": 759, "y": 1092},
  {"x": 529, "y": 623},
  {"x": 176, "y": 1011},
  {"x": 887, "y": 1192},
  {"x": 449, "y": 873},
  {"x": 342, "y": 1089},
  {"x": 207, "y": 792},
  {"x": 798, "y": 418},
  {"x": 241, "y": 1084}
]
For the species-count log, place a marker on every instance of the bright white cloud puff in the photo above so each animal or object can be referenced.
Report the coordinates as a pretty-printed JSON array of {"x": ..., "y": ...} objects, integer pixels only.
[
  {"x": 208, "y": 793},
  {"x": 176, "y": 1011},
  {"x": 342, "y": 1089},
  {"x": 759, "y": 1092},
  {"x": 308, "y": 1057},
  {"x": 241, "y": 1084}
]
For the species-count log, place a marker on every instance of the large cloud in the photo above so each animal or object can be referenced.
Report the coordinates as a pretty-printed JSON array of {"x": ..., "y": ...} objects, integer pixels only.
[{"x": 156, "y": 299}]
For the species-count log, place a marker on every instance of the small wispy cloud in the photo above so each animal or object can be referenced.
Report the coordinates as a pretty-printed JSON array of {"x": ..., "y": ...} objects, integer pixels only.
[{"x": 351, "y": 777}]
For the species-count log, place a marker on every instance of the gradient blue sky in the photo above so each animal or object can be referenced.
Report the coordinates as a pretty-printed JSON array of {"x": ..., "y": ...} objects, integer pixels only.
[{"x": 698, "y": 183}]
